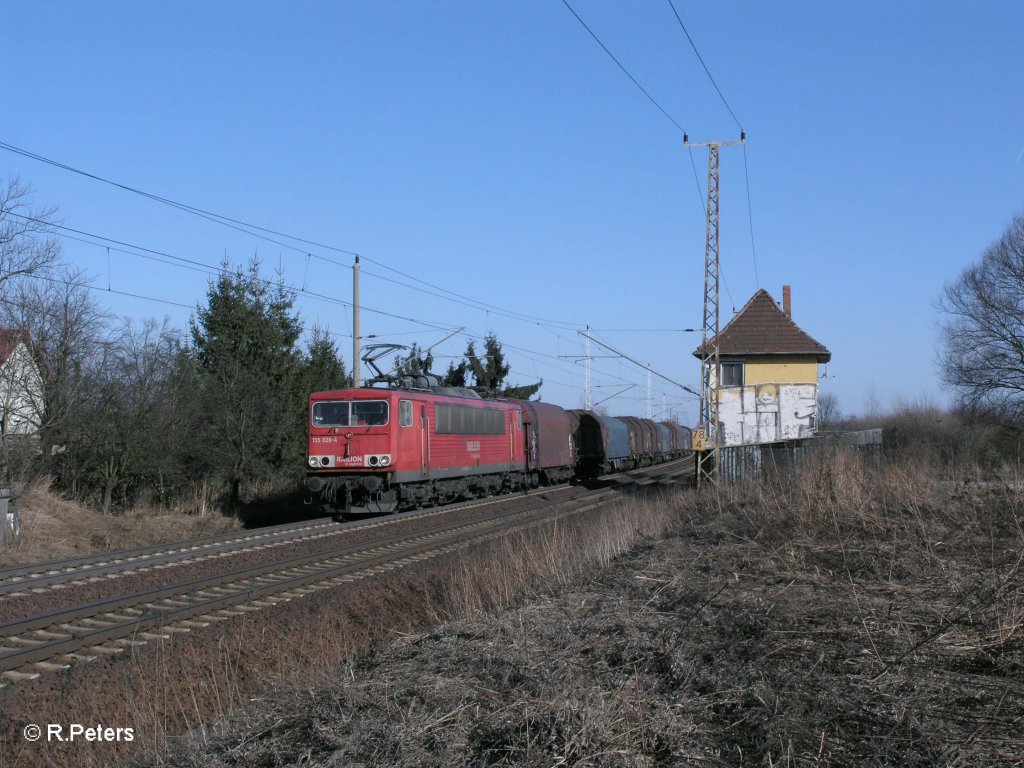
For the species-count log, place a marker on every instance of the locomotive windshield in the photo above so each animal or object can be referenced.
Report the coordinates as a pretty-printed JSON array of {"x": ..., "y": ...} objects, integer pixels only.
[{"x": 360, "y": 413}]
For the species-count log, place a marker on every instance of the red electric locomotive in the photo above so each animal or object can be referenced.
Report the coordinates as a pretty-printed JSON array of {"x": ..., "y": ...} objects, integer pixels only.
[{"x": 375, "y": 450}]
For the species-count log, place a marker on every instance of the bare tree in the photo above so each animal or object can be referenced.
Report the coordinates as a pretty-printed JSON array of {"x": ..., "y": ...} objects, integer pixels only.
[
  {"x": 66, "y": 329},
  {"x": 131, "y": 427},
  {"x": 982, "y": 336},
  {"x": 27, "y": 246},
  {"x": 829, "y": 413}
]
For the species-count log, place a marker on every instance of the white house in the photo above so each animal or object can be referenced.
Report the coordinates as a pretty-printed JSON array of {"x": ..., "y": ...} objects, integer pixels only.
[{"x": 21, "y": 386}]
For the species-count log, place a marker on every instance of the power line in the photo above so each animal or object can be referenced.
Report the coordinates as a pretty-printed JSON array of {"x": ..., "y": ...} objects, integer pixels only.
[
  {"x": 750, "y": 216},
  {"x": 247, "y": 228},
  {"x": 746, "y": 173},
  {"x": 693, "y": 164},
  {"x": 217, "y": 270},
  {"x": 210, "y": 215},
  {"x": 624, "y": 70},
  {"x": 473, "y": 303},
  {"x": 100, "y": 289},
  {"x": 701, "y": 60},
  {"x": 645, "y": 330},
  {"x": 177, "y": 261},
  {"x": 199, "y": 266},
  {"x": 481, "y": 304}
]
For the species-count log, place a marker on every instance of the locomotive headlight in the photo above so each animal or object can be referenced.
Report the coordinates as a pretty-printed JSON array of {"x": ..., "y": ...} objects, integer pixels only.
[
  {"x": 385, "y": 460},
  {"x": 312, "y": 461},
  {"x": 373, "y": 461},
  {"x": 325, "y": 461}
]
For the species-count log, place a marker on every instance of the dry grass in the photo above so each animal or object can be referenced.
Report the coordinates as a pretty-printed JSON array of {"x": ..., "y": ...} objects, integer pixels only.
[
  {"x": 53, "y": 527},
  {"x": 205, "y": 677},
  {"x": 848, "y": 617}
]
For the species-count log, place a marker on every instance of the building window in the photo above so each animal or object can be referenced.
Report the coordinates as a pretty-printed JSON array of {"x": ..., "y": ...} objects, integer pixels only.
[{"x": 732, "y": 374}]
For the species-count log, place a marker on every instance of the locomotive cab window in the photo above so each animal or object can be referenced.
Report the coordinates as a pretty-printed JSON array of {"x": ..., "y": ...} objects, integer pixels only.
[
  {"x": 330, "y": 414},
  {"x": 362, "y": 413},
  {"x": 405, "y": 413},
  {"x": 369, "y": 413}
]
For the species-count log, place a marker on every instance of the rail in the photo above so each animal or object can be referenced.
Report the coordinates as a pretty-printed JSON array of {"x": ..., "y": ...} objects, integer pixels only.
[{"x": 53, "y": 640}]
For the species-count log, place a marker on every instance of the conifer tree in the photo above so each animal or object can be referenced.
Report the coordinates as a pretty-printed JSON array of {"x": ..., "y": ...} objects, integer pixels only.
[
  {"x": 490, "y": 370},
  {"x": 417, "y": 362},
  {"x": 249, "y": 368}
]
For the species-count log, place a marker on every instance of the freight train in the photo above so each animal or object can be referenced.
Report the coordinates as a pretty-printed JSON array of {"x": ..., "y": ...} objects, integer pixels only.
[{"x": 378, "y": 450}]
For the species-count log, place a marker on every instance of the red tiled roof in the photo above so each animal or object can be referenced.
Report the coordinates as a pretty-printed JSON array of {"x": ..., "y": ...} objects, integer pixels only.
[
  {"x": 10, "y": 338},
  {"x": 762, "y": 328}
]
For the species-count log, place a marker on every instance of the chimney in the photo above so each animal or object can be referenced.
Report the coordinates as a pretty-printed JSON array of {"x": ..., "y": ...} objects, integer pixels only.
[{"x": 787, "y": 302}]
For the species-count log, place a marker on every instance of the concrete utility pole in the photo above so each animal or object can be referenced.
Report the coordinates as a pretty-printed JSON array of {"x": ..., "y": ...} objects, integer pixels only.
[
  {"x": 707, "y": 439},
  {"x": 650, "y": 402},
  {"x": 588, "y": 394},
  {"x": 356, "y": 378}
]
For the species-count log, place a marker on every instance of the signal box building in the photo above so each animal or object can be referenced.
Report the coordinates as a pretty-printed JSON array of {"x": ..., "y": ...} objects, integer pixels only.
[{"x": 769, "y": 387}]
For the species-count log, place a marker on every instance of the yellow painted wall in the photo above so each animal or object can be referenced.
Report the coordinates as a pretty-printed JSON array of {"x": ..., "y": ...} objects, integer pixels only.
[{"x": 793, "y": 370}]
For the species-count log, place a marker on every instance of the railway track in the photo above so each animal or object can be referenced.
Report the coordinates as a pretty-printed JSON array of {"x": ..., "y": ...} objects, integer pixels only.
[
  {"x": 53, "y": 640},
  {"x": 21, "y": 579}
]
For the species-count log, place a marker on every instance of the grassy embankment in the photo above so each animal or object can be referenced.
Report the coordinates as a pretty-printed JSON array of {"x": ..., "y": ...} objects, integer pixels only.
[
  {"x": 53, "y": 527},
  {"x": 165, "y": 689},
  {"x": 852, "y": 616}
]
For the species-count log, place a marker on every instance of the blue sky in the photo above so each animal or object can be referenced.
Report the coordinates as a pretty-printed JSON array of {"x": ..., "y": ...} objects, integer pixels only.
[{"x": 493, "y": 149}]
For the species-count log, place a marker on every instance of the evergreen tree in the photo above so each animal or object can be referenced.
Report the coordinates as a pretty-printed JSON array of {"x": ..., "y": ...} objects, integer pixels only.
[
  {"x": 323, "y": 365},
  {"x": 249, "y": 368},
  {"x": 455, "y": 376},
  {"x": 417, "y": 362},
  {"x": 524, "y": 392},
  {"x": 490, "y": 370}
]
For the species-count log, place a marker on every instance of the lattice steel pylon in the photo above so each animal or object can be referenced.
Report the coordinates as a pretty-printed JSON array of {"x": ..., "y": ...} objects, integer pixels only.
[{"x": 707, "y": 439}]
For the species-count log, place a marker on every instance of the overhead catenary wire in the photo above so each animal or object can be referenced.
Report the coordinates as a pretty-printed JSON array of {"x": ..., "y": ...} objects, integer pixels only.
[
  {"x": 211, "y": 269},
  {"x": 140, "y": 296},
  {"x": 539, "y": 358},
  {"x": 623, "y": 68},
  {"x": 532, "y": 355},
  {"x": 99, "y": 288},
  {"x": 642, "y": 365},
  {"x": 644, "y": 91},
  {"x": 247, "y": 227},
  {"x": 139, "y": 251},
  {"x": 746, "y": 171},
  {"x": 750, "y": 216},
  {"x": 701, "y": 60},
  {"x": 255, "y": 230},
  {"x": 206, "y": 214},
  {"x": 510, "y": 314}
]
